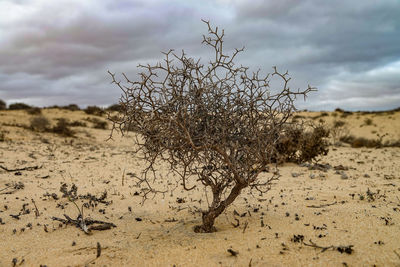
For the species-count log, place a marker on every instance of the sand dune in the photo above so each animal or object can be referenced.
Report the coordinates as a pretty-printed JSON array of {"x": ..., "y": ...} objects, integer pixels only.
[{"x": 350, "y": 202}]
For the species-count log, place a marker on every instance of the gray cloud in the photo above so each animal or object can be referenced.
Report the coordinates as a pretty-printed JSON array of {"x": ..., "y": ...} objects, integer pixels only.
[{"x": 58, "y": 52}]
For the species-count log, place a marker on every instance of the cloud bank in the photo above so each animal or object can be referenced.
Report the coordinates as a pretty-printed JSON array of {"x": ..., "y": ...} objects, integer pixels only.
[{"x": 58, "y": 52}]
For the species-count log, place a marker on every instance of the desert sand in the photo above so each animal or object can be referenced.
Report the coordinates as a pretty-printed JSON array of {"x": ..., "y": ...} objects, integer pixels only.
[{"x": 349, "y": 202}]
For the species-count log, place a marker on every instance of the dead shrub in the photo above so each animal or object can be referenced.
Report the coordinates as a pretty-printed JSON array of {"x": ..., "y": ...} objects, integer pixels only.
[
  {"x": 216, "y": 126},
  {"x": 39, "y": 123},
  {"x": 338, "y": 131}
]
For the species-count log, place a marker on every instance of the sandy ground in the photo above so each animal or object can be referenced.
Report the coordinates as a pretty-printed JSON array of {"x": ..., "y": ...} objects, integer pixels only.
[{"x": 352, "y": 202}]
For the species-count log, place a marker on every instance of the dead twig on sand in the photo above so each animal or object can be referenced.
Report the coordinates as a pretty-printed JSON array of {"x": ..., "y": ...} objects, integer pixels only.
[
  {"x": 31, "y": 168},
  {"x": 395, "y": 252},
  {"x": 14, "y": 186},
  {"x": 83, "y": 223},
  {"x": 233, "y": 252},
  {"x": 341, "y": 249},
  {"x": 322, "y": 206},
  {"x": 37, "y": 213},
  {"x": 98, "y": 250}
]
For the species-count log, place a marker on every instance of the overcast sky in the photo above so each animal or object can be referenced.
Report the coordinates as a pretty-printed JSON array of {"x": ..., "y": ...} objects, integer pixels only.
[{"x": 58, "y": 52}]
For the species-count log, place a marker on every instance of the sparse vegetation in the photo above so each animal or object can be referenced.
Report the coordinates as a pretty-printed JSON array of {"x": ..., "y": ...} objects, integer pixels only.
[{"x": 215, "y": 126}]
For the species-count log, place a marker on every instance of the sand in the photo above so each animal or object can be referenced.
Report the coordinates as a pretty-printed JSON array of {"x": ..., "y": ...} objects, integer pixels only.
[{"x": 352, "y": 203}]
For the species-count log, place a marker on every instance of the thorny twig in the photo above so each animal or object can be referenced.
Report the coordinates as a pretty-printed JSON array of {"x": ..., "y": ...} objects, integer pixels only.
[
  {"x": 341, "y": 249},
  {"x": 322, "y": 205},
  {"x": 14, "y": 186},
  {"x": 21, "y": 169}
]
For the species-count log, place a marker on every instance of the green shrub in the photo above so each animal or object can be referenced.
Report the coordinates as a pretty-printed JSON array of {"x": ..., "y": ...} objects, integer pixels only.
[{"x": 18, "y": 106}]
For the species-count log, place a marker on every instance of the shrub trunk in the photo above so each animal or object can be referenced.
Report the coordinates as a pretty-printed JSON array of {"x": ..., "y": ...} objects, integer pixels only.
[{"x": 214, "y": 211}]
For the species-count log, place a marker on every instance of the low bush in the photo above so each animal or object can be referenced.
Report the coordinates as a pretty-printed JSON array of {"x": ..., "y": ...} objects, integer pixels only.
[
  {"x": 115, "y": 107},
  {"x": 62, "y": 128},
  {"x": 98, "y": 124},
  {"x": 94, "y": 110},
  {"x": 39, "y": 123},
  {"x": 78, "y": 124},
  {"x": 18, "y": 106},
  {"x": 357, "y": 142},
  {"x": 368, "y": 122},
  {"x": 339, "y": 130},
  {"x": 2, "y": 136},
  {"x": 34, "y": 111},
  {"x": 53, "y": 107},
  {"x": 346, "y": 114},
  {"x": 3, "y": 105},
  {"x": 72, "y": 107},
  {"x": 300, "y": 145}
]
